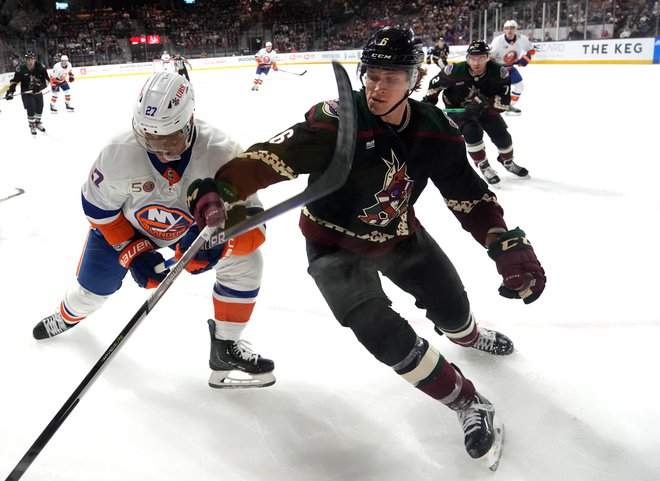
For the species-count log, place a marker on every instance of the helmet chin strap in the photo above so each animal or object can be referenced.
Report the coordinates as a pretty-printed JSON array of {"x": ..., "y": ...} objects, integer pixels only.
[{"x": 396, "y": 105}]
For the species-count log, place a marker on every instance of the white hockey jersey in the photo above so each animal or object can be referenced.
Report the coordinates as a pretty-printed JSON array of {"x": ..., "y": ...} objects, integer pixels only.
[
  {"x": 266, "y": 59},
  {"x": 505, "y": 52},
  {"x": 150, "y": 194},
  {"x": 61, "y": 74}
]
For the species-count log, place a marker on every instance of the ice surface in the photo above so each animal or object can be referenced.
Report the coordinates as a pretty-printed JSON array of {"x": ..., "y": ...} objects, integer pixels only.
[{"x": 579, "y": 397}]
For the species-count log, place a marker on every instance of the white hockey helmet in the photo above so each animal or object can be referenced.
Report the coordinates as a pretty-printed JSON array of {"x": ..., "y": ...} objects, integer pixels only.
[
  {"x": 510, "y": 23},
  {"x": 268, "y": 44},
  {"x": 165, "y": 106},
  {"x": 65, "y": 58}
]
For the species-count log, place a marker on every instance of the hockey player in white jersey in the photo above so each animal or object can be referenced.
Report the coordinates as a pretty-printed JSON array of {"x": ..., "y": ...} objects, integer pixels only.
[
  {"x": 135, "y": 200},
  {"x": 166, "y": 61},
  {"x": 511, "y": 49},
  {"x": 265, "y": 59},
  {"x": 60, "y": 78}
]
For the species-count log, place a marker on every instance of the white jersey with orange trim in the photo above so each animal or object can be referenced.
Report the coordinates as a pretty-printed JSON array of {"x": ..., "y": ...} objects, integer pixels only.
[
  {"x": 505, "y": 52},
  {"x": 266, "y": 59},
  {"x": 61, "y": 73},
  {"x": 124, "y": 180}
]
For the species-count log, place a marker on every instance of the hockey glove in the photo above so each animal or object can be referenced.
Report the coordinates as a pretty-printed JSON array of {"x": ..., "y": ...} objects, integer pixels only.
[
  {"x": 275, "y": 68},
  {"x": 524, "y": 278},
  {"x": 524, "y": 60},
  {"x": 141, "y": 258},
  {"x": 205, "y": 259},
  {"x": 205, "y": 201},
  {"x": 475, "y": 106},
  {"x": 9, "y": 95},
  {"x": 71, "y": 78}
]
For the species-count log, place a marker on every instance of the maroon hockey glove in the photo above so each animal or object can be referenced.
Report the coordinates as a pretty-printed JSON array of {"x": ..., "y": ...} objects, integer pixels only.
[
  {"x": 205, "y": 203},
  {"x": 524, "y": 278}
]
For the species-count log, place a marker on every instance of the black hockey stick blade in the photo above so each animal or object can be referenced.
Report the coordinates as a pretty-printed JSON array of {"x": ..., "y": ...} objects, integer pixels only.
[
  {"x": 18, "y": 192},
  {"x": 332, "y": 179},
  {"x": 294, "y": 73}
]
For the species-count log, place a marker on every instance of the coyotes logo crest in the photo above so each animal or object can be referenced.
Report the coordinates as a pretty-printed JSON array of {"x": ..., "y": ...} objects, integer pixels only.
[{"x": 392, "y": 200}]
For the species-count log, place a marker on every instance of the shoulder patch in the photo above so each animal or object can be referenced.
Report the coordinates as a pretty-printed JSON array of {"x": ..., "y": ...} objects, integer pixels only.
[
  {"x": 504, "y": 72},
  {"x": 449, "y": 68},
  {"x": 331, "y": 108}
]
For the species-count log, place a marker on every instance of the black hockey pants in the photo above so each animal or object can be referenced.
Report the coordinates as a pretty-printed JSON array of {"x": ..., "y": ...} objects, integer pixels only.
[
  {"x": 351, "y": 286},
  {"x": 34, "y": 104},
  {"x": 493, "y": 124}
]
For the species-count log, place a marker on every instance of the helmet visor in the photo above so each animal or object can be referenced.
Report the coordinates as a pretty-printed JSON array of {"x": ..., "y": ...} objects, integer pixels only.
[{"x": 168, "y": 147}]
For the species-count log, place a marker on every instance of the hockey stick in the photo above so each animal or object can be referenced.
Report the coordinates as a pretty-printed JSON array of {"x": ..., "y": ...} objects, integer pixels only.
[
  {"x": 332, "y": 179},
  {"x": 292, "y": 73},
  {"x": 15, "y": 194}
]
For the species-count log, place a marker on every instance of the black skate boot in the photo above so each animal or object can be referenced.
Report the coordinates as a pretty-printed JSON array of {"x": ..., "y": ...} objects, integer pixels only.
[
  {"x": 69, "y": 107},
  {"x": 514, "y": 168},
  {"x": 488, "y": 172},
  {"x": 53, "y": 110},
  {"x": 40, "y": 127},
  {"x": 492, "y": 342},
  {"x": 51, "y": 326},
  {"x": 484, "y": 434},
  {"x": 513, "y": 111},
  {"x": 235, "y": 365}
]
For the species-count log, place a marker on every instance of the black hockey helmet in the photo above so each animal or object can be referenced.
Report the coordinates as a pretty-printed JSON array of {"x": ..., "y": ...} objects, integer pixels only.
[
  {"x": 478, "y": 47},
  {"x": 30, "y": 54},
  {"x": 392, "y": 48}
]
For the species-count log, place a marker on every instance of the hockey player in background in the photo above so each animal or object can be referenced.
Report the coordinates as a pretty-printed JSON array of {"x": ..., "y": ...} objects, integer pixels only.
[
  {"x": 60, "y": 77},
  {"x": 368, "y": 226},
  {"x": 180, "y": 63},
  {"x": 166, "y": 61},
  {"x": 265, "y": 61},
  {"x": 438, "y": 54},
  {"x": 135, "y": 200},
  {"x": 33, "y": 78},
  {"x": 511, "y": 49},
  {"x": 481, "y": 87}
]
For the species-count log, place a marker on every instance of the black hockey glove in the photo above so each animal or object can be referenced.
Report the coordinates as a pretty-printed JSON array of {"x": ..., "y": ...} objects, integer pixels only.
[
  {"x": 9, "y": 95},
  {"x": 475, "y": 106},
  {"x": 523, "y": 276}
]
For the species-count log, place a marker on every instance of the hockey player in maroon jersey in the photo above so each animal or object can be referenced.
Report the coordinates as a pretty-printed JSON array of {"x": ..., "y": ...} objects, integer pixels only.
[
  {"x": 368, "y": 226},
  {"x": 483, "y": 88}
]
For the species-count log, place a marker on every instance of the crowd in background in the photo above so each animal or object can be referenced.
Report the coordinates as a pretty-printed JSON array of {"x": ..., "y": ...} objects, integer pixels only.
[{"x": 230, "y": 27}]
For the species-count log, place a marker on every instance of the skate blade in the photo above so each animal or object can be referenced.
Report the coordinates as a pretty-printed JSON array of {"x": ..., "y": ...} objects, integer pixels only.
[
  {"x": 492, "y": 458},
  {"x": 240, "y": 380}
]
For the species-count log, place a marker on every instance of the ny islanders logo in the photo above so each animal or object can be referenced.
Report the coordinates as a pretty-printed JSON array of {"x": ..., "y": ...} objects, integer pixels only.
[
  {"x": 392, "y": 200},
  {"x": 163, "y": 222}
]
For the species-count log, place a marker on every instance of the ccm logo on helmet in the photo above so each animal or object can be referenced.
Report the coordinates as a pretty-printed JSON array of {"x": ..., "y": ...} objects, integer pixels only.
[{"x": 380, "y": 55}]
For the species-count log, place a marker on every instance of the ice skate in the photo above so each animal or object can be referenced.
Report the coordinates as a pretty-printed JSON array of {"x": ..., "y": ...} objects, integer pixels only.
[
  {"x": 53, "y": 110},
  {"x": 492, "y": 342},
  {"x": 513, "y": 111},
  {"x": 514, "y": 168},
  {"x": 488, "y": 172},
  {"x": 33, "y": 129},
  {"x": 69, "y": 108},
  {"x": 51, "y": 326},
  {"x": 484, "y": 433},
  {"x": 40, "y": 127},
  {"x": 235, "y": 365},
  {"x": 255, "y": 88}
]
